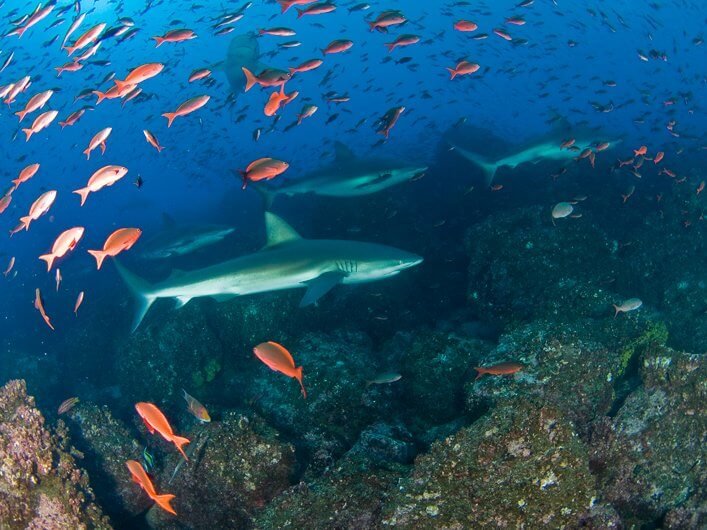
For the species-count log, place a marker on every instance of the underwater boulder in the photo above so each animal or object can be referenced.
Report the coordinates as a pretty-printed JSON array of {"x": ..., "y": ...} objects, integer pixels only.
[
  {"x": 650, "y": 457},
  {"x": 236, "y": 466},
  {"x": 40, "y": 484},
  {"x": 579, "y": 367},
  {"x": 520, "y": 466},
  {"x": 434, "y": 367},
  {"x": 107, "y": 444},
  {"x": 522, "y": 267},
  {"x": 350, "y": 495}
]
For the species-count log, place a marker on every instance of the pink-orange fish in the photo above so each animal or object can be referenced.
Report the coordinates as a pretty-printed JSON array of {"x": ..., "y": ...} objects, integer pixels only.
[
  {"x": 156, "y": 421},
  {"x": 277, "y": 358}
]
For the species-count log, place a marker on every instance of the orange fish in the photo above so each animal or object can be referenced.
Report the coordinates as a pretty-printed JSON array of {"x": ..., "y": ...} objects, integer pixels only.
[
  {"x": 5, "y": 202},
  {"x": 35, "y": 103},
  {"x": 502, "y": 34},
  {"x": 465, "y": 25},
  {"x": 106, "y": 176},
  {"x": 277, "y": 358},
  {"x": 287, "y": 4},
  {"x": 463, "y": 68},
  {"x": 659, "y": 157},
  {"x": 185, "y": 108},
  {"x": 73, "y": 66},
  {"x": 79, "y": 301},
  {"x": 139, "y": 74},
  {"x": 640, "y": 151},
  {"x": 87, "y": 38},
  {"x": 114, "y": 92},
  {"x": 263, "y": 169},
  {"x": 73, "y": 118},
  {"x": 41, "y": 122},
  {"x": 277, "y": 100},
  {"x": 141, "y": 478},
  {"x": 199, "y": 74},
  {"x": 306, "y": 66},
  {"x": 337, "y": 46},
  {"x": 26, "y": 174},
  {"x": 701, "y": 187},
  {"x": 39, "y": 306},
  {"x": 270, "y": 77},
  {"x": 176, "y": 35},
  {"x": 152, "y": 140},
  {"x": 98, "y": 140},
  {"x": 156, "y": 421},
  {"x": 38, "y": 208},
  {"x": 120, "y": 240},
  {"x": 499, "y": 369}
]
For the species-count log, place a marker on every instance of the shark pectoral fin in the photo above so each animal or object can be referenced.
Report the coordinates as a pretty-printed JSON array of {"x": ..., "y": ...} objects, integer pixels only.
[
  {"x": 181, "y": 301},
  {"x": 319, "y": 286},
  {"x": 225, "y": 297}
]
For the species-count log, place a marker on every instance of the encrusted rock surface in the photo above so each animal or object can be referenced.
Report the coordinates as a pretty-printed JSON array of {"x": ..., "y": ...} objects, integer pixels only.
[{"x": 41, "y": 487}]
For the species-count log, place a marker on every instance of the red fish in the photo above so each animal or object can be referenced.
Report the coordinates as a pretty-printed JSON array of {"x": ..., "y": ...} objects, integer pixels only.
[
  {"x": 39, "y": 306},
  {"x": 185, "y": 108},
  {"x": 140, "y": 477},
  {"x": 277, "y": 358},
  {"x": 263, "y": 169},
  {"x": 389, "y": 120},
  {"x": 155, "y": 420},
  {"x": 120, "y": 240},
  {"x": 176, "y": 35},
  {"x": 499, "y": 369},
  {"x": 463, "y": 68},
  {"x": 465, "y": 25},
  {"x": 337, "y": 46},
  {"x": 66, "y": 242}
]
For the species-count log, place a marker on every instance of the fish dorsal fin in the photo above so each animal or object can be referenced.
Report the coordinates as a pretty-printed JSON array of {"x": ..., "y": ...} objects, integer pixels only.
[
  {"x": 278, "y": 231},
  {"x": 342, "y": 153},
  {"x": 167, "y": 220}
]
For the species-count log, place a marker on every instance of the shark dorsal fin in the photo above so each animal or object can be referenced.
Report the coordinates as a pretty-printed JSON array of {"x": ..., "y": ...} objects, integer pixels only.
[
  {"x": 342, "y": 153},
  {"x": 278, "y": 231}
]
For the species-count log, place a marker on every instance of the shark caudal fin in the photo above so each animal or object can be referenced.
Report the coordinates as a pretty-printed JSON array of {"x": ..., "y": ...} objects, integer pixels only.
[
  {"x": 489, "y": 168},
  {"x": 163, "y": 501},
  {"x": 141, "y": 290},
  {"x": 267, "y": 195}
]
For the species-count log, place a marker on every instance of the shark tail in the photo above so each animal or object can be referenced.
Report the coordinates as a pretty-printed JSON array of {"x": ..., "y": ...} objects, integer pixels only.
[
  {"x": 267, "y": 195},
  {"x": 489, "y": 168},
  {"x": 141, "y": 290}
]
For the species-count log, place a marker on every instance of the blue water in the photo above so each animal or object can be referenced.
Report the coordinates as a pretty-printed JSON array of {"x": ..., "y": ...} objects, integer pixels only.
[{"x": 523, "y": 91}]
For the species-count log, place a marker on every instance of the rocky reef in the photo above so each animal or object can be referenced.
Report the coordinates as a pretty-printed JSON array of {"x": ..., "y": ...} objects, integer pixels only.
[{"x": 41, "y": 486}]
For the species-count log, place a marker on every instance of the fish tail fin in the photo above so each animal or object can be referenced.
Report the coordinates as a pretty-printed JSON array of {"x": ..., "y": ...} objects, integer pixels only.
[
  {"x": 29, "y": 133},
  {"x": 99, "y": 255},
  {"x": 298, "y": 375},
  {"x": 83, "y": 192},
  {"x": 250, "y": 79},
  {"x": 159, "y": 41},
  {"x": 70, "y": 49},
  {"x": 140, "y": 289},
  {"x": 170, "y": 117},
  {"x": 180, "y": 441},
  {"x": 284, "y": 5},
  {"x": 390, "y": 46},
  {"x": 26, "y": 220},
  {"x": 21, "y": 114},
  {"x": 300, "y": 12},
  {"x": 101, "y": 96},
  {"x": 452, "y": 72},
  {"x": 87, "y": 152},
  {"x": 481, "y": 372},
  {"x": 268, "y": 196},
  {"x": 49, "y": 258},
  {"x": 163, "y": 501},
  {"x": 16, "y": 183},
  {"x": 616, "y": 310}
]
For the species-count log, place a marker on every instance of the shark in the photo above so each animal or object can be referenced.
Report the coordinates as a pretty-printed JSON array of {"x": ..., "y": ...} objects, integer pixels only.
[
  {"x": 347, "y": 176},
  {"x": 244, "y": 51},
  {"x": 177, "y": 240},
  {"x": 288, "y": 261},
  {"x": 534, "y": 153}
]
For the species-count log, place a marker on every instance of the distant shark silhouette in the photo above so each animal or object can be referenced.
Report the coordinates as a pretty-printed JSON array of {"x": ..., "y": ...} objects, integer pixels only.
[
  {"x": 244, "y": 51},
  {"x": 288, "y": 261},
  {"x": 346, "y": 176}
]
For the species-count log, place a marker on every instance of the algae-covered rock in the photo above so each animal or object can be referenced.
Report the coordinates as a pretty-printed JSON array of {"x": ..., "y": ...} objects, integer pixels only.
[
  {"x": 236, "y": 466},
  {"x": 350, "y": 495},
  {"x": 183, "y": 351},
  {"x": 107, "y": 444},
  {"x": 521, "y": 466},
  {"x": 41, "y": 486},
  {"x": 522, "y": 267},
  {"x": 434, "y": 366},
  {"x": 651, "y": 456}
]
